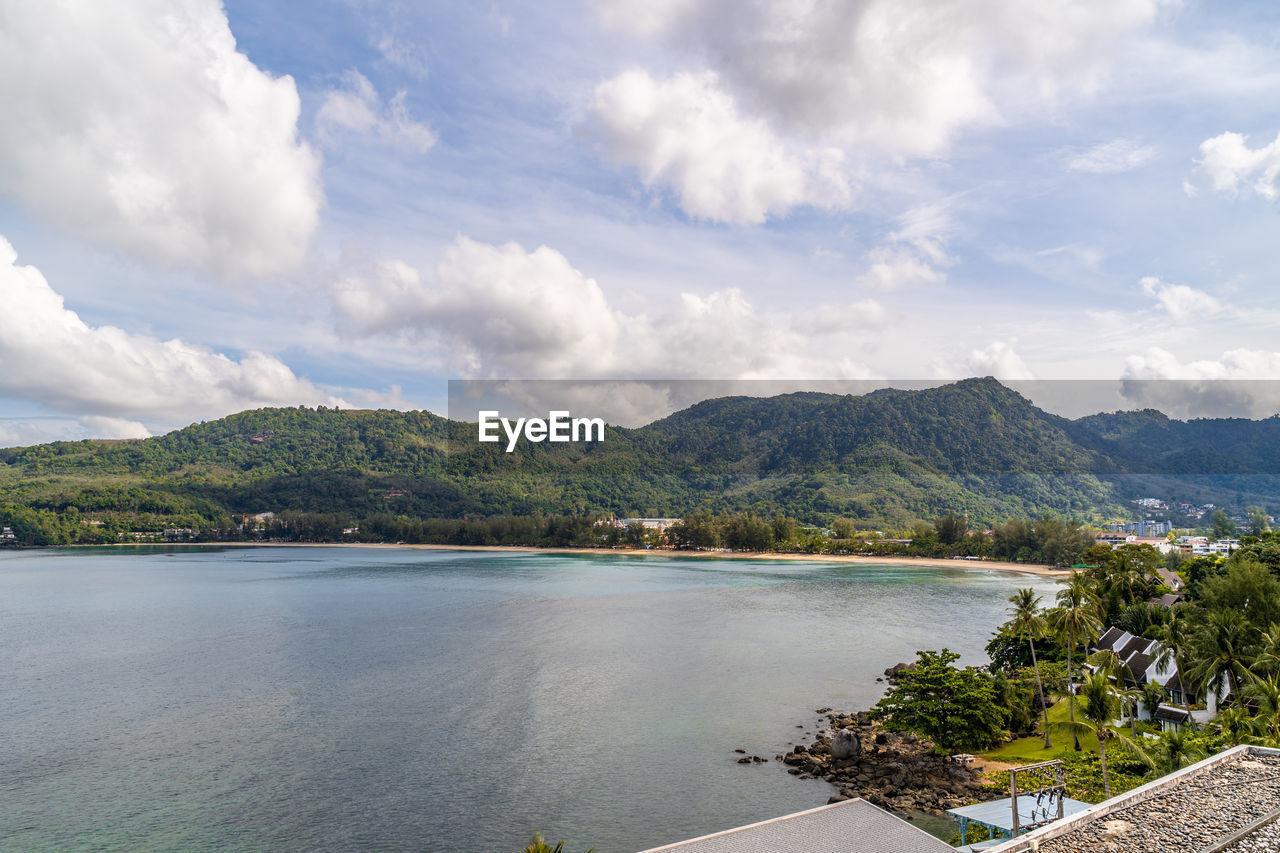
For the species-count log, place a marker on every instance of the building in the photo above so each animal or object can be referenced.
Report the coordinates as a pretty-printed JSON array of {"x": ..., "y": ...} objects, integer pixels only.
[
  {"x": 1145, "y": 527},
  {"x": 1227, "y": 802},
  {"x": 853, "y": 826},
  {"x": 7, "y": 536},
  {"x": 658, "y": 524},
  {"x": 1138, "y": 659}
]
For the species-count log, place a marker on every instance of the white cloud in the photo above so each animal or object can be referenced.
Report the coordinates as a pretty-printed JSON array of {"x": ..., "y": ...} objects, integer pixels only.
[
  {"x": 109, "y": 377},
  {"x": 1157, "y": 363},
  {"x": 895, "y": 267},
  {"x": 138, "y": 124},
  {"x": 100, "y": 426},
  {"x": 998, "y": 359},
  {"x": 399, "y": 53},
  {"x": 861, "y": 316},
  {"x": 1228, "y": 164},
  {"x": 356, "y": 107},
  {"x": 687, "y": 133},
  {"x": 900, "y": 76},
  {"x": 1239, "y": 383},
  {"x": 914, "y": 254},
  {"x": 1180, "y": 302},
  {"x": 1118, "y": 155},
  {"x": 504, "y": 311}
]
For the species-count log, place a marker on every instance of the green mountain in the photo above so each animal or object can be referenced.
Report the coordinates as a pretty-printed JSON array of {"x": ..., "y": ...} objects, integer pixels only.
[{"x": 972, "y": 447}]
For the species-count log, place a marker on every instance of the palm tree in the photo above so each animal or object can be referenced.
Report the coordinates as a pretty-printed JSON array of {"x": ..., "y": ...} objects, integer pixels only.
[
  {"x": 538, "y": 845},
  {"x": 1221, "y": 653},
  {"x": 1075, "y": 618},
  {"x": 1108, "y": 663},
  {"x": 1235, "y": 726},
  {"x": 1265, "y": 694},
  {"x": 1176, "y": 749},
  {"x": 1267, "y": 662},
  {"x": 1029, "y": 622},
  {"x": 1101, "y": 705},
  {"x": 1174, "y": 644},
  {"x": 1152, "y": 695}
]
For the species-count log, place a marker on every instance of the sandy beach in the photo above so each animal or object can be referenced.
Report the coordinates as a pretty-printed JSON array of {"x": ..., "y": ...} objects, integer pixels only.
[{"x": 928, "y": 562}]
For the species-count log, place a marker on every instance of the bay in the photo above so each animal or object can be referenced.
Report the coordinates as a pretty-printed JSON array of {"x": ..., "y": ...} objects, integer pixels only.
[{"x": 327, "y": 698}]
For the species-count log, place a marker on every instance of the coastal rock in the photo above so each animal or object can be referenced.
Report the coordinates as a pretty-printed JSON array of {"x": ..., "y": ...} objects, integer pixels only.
[
  {"x": 895, "y": 671},
  {"x": 845, "y": 743},
  {"x": 900, "y": 772}
]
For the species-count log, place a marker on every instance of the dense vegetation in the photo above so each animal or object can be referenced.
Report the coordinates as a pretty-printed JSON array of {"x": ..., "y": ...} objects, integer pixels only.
[
  {"x": 973, "y": 450},
  {"x": 1225, "y": 639}
]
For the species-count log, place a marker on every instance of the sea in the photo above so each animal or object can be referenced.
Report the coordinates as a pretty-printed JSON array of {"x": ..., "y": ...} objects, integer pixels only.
[{"x": 376, "y": 698}]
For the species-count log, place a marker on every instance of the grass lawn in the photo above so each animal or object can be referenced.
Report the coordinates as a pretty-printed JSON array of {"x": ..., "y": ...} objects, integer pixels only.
[{"x": 1028, "y": 750}]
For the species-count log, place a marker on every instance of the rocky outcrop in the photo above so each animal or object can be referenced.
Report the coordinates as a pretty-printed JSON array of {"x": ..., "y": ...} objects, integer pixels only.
[{"x": 897, "y": 772}]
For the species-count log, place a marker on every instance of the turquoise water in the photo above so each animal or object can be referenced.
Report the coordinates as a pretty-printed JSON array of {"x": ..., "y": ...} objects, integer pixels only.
[{"x": 397, "y": 699}]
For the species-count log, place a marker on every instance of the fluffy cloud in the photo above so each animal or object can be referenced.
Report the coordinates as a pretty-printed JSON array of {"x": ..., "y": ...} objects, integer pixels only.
[
  {"x": 1118, "y": 155},
  {"x": 1228, "y": 164},
  {"x": 998, "y": 359},
  {"x": 1239, "y": 383},
  {"x": 356, "y": 107},
  {"x": 1157, "y": 363},
  {"x": 109, "y": 377},
  {"x": 687, "y": 133},
  {"x": 1180, "y": 302},
  {"x": 901, "y": 76},
  {"x": 505, "y": 311},
  {"x": 138, "y": 124}
]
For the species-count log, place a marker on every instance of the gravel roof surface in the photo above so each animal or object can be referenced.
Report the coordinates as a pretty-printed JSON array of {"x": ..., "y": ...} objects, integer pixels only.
[{"x": 1194, "y": 813}]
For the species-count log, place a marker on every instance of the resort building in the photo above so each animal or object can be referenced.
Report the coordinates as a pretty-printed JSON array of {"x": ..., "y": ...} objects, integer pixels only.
[
  {"x": 658, "y": 524},
  {"x": 1138, "y": 659}
]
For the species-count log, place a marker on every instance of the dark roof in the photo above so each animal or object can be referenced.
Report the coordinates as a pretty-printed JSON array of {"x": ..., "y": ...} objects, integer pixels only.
[
  {"x": 1108, "y": 639},
  {"x": 1173, "y": 682},
  {"x": 1168, "y": 599},
  {"x": 1172, "y": 714},
  {"x": 1136, "y": 644},
  {"x": 854, "y": 826},
  {"x": 1137, "y": 665}
]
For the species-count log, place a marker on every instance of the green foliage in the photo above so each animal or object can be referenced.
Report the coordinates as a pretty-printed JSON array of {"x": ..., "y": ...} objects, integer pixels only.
[
  {"x": 1084, "y": 775},
  {"x": 1223, "y": 526},
  {"x": 954, "y": 708},
  {"x": 537, "y": 844},
  {"x": 971, "y": 450}
]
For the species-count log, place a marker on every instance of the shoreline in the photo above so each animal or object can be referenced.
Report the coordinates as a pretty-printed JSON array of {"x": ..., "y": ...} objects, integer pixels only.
[{"x": 1036, "y": 569}]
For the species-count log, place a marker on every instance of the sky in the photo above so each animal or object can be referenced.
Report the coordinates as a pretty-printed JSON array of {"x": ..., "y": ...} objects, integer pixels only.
[{"x": 208, "y": 207}]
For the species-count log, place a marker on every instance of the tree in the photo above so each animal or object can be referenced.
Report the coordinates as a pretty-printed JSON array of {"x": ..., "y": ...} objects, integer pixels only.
[
  {"x": 1173, "y": 640},
  {"x": 1029, "y": 622},
  {"x": 1223, "y": 526},
  {"x": 1267, "y": 662},
  {"x": 1221, "y": 653},
  {"x": 1258, "y": 523},
  {"x": 1246, "y": 586},
  {"x": 1152, "y": 695},
  {"x": 1099, "y": 706},
  {"x": 1175, "y": 750},
  {"x": 1075, "y": 618},
  {"x": 954, "y": 708},
  {"x": 951, "y": 528},
  {"x": 538, "y": 845},
  {"x": 1265, "y": 697}
]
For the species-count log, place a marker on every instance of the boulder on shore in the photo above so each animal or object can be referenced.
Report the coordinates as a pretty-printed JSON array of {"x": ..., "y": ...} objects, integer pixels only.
[{"x": 845, "y": 743}]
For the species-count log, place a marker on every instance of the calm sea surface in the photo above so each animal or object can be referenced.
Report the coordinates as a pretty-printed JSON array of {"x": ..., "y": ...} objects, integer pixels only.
[{"x": 395, "y": 699}]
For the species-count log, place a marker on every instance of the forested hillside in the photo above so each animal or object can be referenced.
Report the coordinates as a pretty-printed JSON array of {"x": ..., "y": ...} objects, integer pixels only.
[{"x": 974, "y": 448}]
